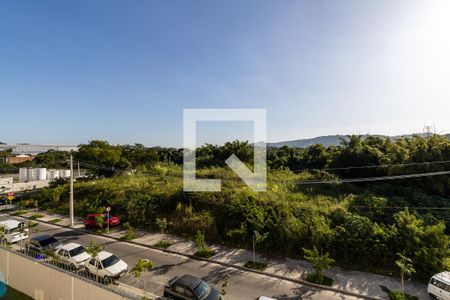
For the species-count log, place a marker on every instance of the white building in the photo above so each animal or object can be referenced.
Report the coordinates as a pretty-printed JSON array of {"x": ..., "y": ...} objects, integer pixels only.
[{"x": 34, "y": 149}]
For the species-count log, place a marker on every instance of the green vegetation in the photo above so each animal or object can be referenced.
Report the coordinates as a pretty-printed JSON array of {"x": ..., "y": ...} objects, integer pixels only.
[
  {"x": 19, "y": 213},
  {"x": 255, "y": 265},
  {"x": 395, "y": 295},
  {"x": 320, "y": 263},
  {"x": 54, "y": 221},
  {"x": 401, "y": 296},
  {"x": 36, "y": 216},
  {"x": 163, "y": 244},
  {"x": 362, "y": 225},
  {"x": 131, "y": 234},
  {"x": 405, "y": 265},
  {"x": 162, "y": 224},
  {"x": 32, "y": 224},
  {"x": 142, "y": 265},
  {"x": 202, "y": 249},
  {"x": 316, "y": 278}
]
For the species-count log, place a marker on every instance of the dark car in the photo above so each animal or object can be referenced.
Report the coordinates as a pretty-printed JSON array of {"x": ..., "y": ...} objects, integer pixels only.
[
  {"x": 92, "y": 221},
  {"x": 190, "y": 287},
  {"x": 42, "y": 243}
]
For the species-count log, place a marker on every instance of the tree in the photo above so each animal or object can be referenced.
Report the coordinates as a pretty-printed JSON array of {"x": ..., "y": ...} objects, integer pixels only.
[
  {"x": 162, "y": 224},
  {"x": 101, "y": 157},
  {"x": 427, "y": 245},
  {"x": 319, "y": 262},
  {"x": 130, "y": 232},
  {"x": 257, "y": 238},
  {"x": 406, "y": 268},
  {"x": 142, "y": 265},
  {"x": 52, "y": 159},
  {"x": 199, "y": 241},
  {"x": 100, "y": 221},
  {"x": 94, "y": 249},
  {"x": 203, "y": 249}
]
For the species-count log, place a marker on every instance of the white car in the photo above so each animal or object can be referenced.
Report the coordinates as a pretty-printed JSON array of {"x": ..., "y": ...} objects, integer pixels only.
[
  {"x": 73, "y": 254},
  {"x": 106, "y": 265},
  {"x": 14, "y": 231},
  {"x": 439, "y": 286}
]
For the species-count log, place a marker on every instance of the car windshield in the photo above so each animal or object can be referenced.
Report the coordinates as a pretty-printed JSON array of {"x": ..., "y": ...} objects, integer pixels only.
[
  {"x": 76, "y": 251},
  {"x": 109, "y": 261},
  {"x": 202, "y": 290},
  {"x": 48, "y": 241}
]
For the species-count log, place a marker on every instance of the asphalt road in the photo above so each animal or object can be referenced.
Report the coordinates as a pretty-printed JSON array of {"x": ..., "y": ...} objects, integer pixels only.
[{"x": 242, "y": 285}]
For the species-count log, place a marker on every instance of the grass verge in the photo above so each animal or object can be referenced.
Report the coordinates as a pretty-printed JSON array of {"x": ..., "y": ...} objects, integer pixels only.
[
  {"x": 19, "y": 213},
  {"x": 54, "y": 221},
  {"x": 163, "y": 244},
  {"x": 318, "y": 279},
  {"x": 205, "y": 253},
  {"x": 36, "y": 216},
  {"x": 256, "y": 265}
]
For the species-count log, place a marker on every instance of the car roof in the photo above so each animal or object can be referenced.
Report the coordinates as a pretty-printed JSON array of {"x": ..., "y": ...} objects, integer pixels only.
[
  {"x": 189, "y": 281},
  {"x": 41, "y": 237},
  {"x": 70, "y": 246},
  {"x": 10, "y": 223},
  {"x": 104, "y": 254},
  {"x": 443, "y": 276}
]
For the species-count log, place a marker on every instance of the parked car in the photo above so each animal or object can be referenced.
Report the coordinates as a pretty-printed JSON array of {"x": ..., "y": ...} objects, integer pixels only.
[
  {"x": 91, "y": 220},
  {"x": 439, "y": 286},
  {"x": 265, "y": 298},
  {"x": 190, "y": 287},
  {"x": 106, "y": 265},
  {"x": 73, "y": 254},
  {"x": 42, "y": 243},
  {"x": 14, "y": 230}
]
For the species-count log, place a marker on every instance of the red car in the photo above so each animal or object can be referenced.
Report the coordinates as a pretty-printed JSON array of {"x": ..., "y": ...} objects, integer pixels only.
[{"x": 92, "y": 220}]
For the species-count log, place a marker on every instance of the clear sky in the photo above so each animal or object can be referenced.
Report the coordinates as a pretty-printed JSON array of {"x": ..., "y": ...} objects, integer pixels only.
[{"x": 73, "y": 71}]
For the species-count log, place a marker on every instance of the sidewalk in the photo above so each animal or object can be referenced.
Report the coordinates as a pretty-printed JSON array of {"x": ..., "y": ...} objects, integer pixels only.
[{"x": 353, "y": 281}]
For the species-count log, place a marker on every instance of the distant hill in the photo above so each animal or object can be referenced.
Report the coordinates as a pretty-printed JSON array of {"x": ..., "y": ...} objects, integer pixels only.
[{"x": 330, "y": 140}]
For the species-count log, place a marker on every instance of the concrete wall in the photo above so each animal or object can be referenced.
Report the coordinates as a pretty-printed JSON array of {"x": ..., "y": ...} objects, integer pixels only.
[
  {"x": 43, "y": 282},
  {"x": 23, "y": 186}
]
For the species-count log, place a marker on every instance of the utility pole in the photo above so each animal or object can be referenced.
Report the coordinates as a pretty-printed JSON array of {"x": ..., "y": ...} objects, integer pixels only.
[
  {"x": 79, "y": 173},
  {"x": 71, "y": 190}
]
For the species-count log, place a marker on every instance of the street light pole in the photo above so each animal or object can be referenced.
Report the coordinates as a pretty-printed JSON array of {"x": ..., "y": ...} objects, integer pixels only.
[{"x": 71, "y": 190}]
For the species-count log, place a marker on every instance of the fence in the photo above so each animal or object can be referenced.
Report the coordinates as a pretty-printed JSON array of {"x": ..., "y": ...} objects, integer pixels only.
[{"x": 44, "y": 277}]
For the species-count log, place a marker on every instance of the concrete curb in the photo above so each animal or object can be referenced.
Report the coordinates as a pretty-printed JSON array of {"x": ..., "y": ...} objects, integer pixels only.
[{"x": 298, "y": 281}]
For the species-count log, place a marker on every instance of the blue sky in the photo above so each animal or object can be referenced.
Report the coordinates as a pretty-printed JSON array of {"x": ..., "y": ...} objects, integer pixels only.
[{"x": 73, "y": 71}]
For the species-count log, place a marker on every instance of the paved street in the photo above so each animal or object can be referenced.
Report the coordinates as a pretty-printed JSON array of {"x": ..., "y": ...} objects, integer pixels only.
[{"x": 242, "y": 285}]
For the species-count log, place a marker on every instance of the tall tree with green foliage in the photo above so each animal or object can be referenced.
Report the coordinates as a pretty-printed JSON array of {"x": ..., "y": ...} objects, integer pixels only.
[
  {"x": 94, "y": 249},
  {"x": 320, "y": 262},
  {"x": 141, "y": 266},
  {"x": 406, "y": 267}
]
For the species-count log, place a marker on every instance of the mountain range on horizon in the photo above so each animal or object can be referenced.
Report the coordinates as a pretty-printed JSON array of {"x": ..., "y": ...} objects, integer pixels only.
[
  {"x": 325, "y": 140},
  {"x": 334, "y": 140}
]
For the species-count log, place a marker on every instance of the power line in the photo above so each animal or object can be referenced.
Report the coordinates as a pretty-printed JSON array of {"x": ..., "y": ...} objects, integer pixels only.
[
  {"x": 375, "y": 166},
  {"x": 371, "y": 179},
  {"x": 402, "y": 207}
]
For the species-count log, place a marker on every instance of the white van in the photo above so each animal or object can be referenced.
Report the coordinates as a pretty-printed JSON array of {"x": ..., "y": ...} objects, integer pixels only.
[
  {"x": 439, "y": 286},
  {"x": 14, "y": 231}
]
